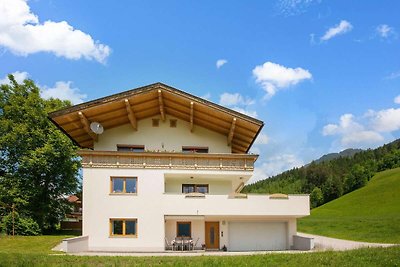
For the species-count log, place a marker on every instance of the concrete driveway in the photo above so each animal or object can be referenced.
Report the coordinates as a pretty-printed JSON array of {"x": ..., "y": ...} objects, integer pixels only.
[{"x": 328, "y": 243}]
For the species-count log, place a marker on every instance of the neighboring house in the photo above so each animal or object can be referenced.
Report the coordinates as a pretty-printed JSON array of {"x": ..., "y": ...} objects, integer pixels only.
[
  {"x": 170, "y": 164},
  {"x": 73, "y": 220}
]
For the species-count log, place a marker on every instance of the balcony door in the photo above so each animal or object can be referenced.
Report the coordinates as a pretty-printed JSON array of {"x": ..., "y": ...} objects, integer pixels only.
[{"x": 212, "y": 235}]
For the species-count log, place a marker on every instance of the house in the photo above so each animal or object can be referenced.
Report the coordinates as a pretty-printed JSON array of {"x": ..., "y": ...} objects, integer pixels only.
[
  {"x": 73, "y": 219},
  {"x": 169, "y": 164}
]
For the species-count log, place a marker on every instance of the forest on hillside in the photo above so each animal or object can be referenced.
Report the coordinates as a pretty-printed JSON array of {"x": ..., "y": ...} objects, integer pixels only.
[{"x": 328, "y": 180}]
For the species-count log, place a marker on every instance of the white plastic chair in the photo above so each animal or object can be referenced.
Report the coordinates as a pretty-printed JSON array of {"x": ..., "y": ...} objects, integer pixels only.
[
  {"x": 169, "y": 245},
  {"x": 195, "y": 244}
]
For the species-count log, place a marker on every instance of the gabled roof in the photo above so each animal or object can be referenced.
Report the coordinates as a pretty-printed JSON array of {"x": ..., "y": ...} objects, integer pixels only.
[{"x": 152, "y": 100}]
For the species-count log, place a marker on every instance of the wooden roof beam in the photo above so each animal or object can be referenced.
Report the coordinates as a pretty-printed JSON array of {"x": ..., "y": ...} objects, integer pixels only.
[
  {"x": 231, "y": 131},
  {"x": 161, "y": 103},
  {"x": 131, "y": 115},
  {"x": 86, "y": 126},
  {"x": 191, "y": 116}
]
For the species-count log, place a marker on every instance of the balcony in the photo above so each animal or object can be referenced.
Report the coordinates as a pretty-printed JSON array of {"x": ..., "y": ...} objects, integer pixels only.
[
  {"x": 224, "y": 205},
  {"x": 167, "y": 160}
]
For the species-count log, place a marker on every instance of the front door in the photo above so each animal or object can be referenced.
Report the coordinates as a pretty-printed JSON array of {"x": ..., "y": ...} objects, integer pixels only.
[{"x": 212, "y": 235}]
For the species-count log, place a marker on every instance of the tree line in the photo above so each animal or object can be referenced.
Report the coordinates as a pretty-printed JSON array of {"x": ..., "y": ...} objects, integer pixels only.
[
  {"x": 328, "y": 180},
  {"x": 38, "y": 164}
]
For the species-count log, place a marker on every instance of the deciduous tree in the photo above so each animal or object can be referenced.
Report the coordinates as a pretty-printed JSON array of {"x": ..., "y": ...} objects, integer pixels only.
[{"x": 38, "y": 164}]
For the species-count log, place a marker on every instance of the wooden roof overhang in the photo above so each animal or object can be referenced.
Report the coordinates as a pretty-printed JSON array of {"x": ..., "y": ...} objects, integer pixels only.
[{"x": 156, "y": 99}]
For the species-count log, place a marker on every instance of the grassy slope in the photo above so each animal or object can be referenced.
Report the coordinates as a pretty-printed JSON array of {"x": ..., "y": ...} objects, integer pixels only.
[{"x": 371, "y": 213}]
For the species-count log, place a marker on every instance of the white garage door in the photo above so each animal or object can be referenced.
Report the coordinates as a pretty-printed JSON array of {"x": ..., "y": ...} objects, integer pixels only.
[{"x": 245, "y": 236}]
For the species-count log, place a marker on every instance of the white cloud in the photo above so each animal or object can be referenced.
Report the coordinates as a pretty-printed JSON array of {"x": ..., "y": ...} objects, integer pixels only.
[
  {"x": 220, "y": 63},
  {"x": 63, "y": 90},
  {"x": 238, "y": 103},
  {"x": 346, "y": 124},
  {"x": 352, "y": 133},
  {"x": 343, "y": 27},
  {"x": 207, "y": 96},
  {"x": 262, "y": 139},
  {"x": 385, "y": 31},
  {"x": 274, "y": 166},
  {"x": 397, "y": 99},
  {"x": 23, "y": 34},
  {"x": 227, "y": 99},
  {"x": 19, "y": 76},
  {"x": 274, "y": 77},
  {"x": 365, "y": 131},
  {"x": 251, "y": 113},
  {"x": 386, "y": 120},
  {"x": 360, "y": 138}
]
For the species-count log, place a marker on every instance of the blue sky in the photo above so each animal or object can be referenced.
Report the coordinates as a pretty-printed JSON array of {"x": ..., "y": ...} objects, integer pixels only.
[{"x": 322, "y": 75}]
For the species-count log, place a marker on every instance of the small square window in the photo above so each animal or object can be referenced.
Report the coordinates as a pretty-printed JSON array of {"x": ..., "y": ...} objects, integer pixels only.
[
  {"x": 156, "y": 122},
  {"x": 184, "y": 229},
  {"x": 173, "y": 123},
  {"x": 123, "y": 227},
  {"x": 123, "y": 185}
]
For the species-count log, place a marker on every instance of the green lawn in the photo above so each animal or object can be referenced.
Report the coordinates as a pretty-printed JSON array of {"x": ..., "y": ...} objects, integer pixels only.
[
  {"x": 361, "y": 257},
  {"x": 371, "y": 213},
  {"x": 36, "y": 251},
  {"x": 30, "y": 244}
]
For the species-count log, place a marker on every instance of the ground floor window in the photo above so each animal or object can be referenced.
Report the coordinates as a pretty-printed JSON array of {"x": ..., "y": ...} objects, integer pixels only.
[
  {"x": 183, "y": 229},
  {"x": 123, "y": 227}
]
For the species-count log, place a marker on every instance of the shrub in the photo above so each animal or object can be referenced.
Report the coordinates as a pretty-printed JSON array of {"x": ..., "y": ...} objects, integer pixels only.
[
  {"x": 316, "y": 197},
  {"x": 23, "y": 225}
]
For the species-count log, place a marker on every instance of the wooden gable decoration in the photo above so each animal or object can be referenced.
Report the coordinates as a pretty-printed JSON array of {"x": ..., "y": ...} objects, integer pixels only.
[{"x": 156, "y": 99}]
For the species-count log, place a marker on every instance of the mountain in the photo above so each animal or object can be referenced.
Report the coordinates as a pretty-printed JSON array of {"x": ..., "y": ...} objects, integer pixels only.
[
  {"x": 345, "y": 153},
  {"x": 371, "y": 213}
]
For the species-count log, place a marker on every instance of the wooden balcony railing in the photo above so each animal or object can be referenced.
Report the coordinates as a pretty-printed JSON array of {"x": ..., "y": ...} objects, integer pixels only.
[{"x": 166, "y": 160}]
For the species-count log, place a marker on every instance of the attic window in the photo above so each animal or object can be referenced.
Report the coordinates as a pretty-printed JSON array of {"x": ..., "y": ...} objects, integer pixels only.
[
  {"x": 156, "y": 122},
  {"x": 131, "y": 148},
  {"x": 172, "y": 123},
  {"x": 195, "y": 149}
]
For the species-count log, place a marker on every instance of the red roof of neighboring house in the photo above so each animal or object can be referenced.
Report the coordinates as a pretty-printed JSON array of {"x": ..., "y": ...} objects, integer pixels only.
[{"x": 72, "y": 199}]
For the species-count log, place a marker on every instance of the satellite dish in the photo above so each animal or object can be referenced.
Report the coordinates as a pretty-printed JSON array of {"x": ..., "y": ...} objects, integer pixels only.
[{"x": 96, "y": 127}]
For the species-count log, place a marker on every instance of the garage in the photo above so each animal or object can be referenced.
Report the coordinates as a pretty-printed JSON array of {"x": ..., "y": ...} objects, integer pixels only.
[{"x": 245, "y": 236}]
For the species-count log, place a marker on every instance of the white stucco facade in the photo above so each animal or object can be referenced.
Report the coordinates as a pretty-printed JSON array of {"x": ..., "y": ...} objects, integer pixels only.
[
  {"x": 158, "y": 211},
  {"x": 159, "y": 204},
  {"x": 163, "y": 137}
]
